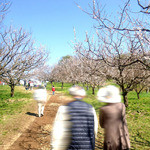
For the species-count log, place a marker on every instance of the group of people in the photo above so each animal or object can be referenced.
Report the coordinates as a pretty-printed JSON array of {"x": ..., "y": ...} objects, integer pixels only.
[
  {"x": 76, "y": 124},
  {"x": 29, "y": 85}
]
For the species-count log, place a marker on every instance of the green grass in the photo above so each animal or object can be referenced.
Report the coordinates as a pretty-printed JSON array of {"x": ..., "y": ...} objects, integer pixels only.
[
  {"x": 58, "y": 86},
  {"x": 137, "y": 115},
  {"x": 10, "y": 105}
]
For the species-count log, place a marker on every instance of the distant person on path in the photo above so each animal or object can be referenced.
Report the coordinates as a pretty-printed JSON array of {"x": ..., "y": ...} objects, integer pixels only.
[
  {"x": 25, "y": 83},
  {"x": 112, "y": 119},
  {"x": 26, "y": 87},
  {"x": 53, "y": 90},
  {"x": 76, "y": 124},
  {"x": 45, "y": 84},
  {"x": 31, "y": 85},
  {"x": 40, "y": 95}
]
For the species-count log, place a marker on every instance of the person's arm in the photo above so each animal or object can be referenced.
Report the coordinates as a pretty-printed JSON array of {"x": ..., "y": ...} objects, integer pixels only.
[
  {"x": 125, "y": 128},
  {"x": 95, "y": 123},
  {"x": 124, "y": 114},
  {"x": 61, "y": 130},
  {"x": 101, "y": 118}
]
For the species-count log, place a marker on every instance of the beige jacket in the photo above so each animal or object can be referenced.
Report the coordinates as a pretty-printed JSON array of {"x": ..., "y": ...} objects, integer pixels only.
[{"x": 112, "y": 119}]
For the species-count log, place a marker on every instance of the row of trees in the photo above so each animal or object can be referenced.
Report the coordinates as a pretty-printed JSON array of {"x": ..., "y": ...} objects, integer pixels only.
[
  {"x": 89, "y": 72},
  {"x": 118, "y": 51},
  {"x": 18, "y": 54},
  {"x": 123, "y": 46}
]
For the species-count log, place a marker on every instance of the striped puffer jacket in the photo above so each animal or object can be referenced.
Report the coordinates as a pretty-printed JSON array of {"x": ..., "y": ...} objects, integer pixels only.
[{"x": 82, "y": 130}]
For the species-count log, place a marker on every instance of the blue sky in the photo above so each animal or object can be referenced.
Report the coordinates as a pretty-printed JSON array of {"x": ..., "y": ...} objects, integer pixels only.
[{"x": 51, "y": 22}]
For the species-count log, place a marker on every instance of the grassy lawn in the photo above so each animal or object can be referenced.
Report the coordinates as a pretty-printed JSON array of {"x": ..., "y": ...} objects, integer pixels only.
[
  {"x": 138, "y": 117},
  {"x": 9, "y": 105},
  {"x": 58, "y": 87}
]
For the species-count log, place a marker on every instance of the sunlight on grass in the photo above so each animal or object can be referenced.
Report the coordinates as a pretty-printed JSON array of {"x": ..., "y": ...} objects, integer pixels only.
[{"x": 10, "y": 105}]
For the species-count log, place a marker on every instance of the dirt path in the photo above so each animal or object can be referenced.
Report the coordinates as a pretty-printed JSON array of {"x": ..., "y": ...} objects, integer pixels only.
[{"x": 37, "y": 135}]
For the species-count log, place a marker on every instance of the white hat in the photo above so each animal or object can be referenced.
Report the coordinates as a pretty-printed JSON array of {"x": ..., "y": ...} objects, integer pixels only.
[
  {"x": 109, "y": 94},
  {"x": 77, "y": 91}
]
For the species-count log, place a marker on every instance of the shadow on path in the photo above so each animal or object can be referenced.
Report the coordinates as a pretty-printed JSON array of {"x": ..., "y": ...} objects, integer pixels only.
[{"x": 32, "y": 114}]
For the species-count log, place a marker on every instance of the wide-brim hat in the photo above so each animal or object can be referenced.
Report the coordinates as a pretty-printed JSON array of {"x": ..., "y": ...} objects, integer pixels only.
[
  {"x": 109, "y": 94},
  {"x": 77, "y": 91}
]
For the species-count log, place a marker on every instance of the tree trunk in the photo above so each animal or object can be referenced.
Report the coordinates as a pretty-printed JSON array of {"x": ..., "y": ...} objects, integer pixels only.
[
  {"x": 138, "y": 95},
  {"x": 87, "y": 87},
  {"x": 125, "y": 99},
  {"x": 147, "y": 90},
  {"x": 12, "y": 90},
  {"x": 93, "y": 90},
  {"x": 73, "y": 83},
  {"x": 62, "y": 85}
]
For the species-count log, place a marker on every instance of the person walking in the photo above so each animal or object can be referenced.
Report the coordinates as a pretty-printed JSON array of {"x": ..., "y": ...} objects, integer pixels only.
[
  {"x": 112, "y": 119},
  {"x": 53, "y": 90},
  {"x": 76, "y": 124},
  {"x": 25, "y": 82},
  {"x": 31, "y": 85},
  {"x": 40, "y": 95}
]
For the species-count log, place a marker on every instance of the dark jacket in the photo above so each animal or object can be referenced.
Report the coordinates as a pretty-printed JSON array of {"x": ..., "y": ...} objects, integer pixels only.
[
  {"x": 112, "y": 119},
  {"x": 83, "y": 126}
]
